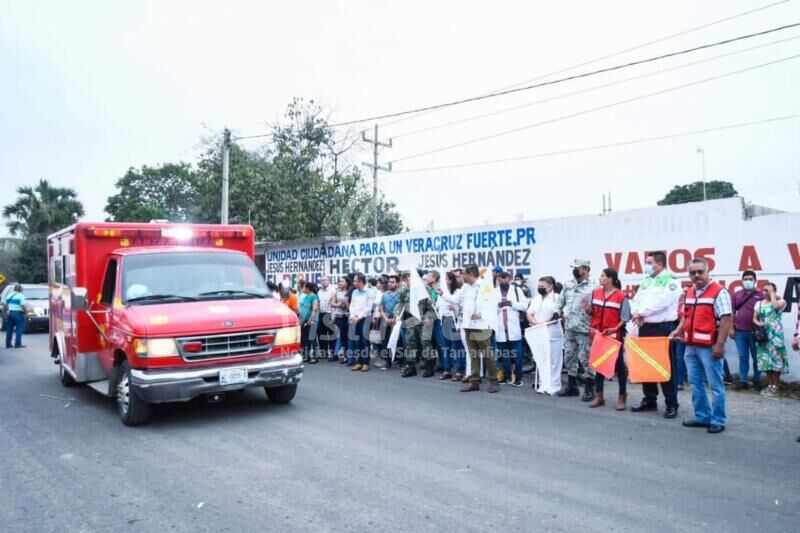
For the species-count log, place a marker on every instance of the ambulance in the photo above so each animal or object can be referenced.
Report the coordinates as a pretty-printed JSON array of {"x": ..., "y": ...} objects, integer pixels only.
[{"x": 149, "y": 313}]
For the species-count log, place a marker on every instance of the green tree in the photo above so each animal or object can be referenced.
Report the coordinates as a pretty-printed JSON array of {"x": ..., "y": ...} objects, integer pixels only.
[
  {"x": 38, "y": 212},
  {"x": 168, "y": 192},
  {"x": 693, "y": 192}
]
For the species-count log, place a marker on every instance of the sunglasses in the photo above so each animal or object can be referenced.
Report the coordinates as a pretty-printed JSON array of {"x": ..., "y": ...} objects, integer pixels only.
[{"x": 696, "y": 272}]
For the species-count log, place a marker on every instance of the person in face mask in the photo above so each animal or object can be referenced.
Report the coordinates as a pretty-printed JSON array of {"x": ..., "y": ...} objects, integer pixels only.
[
  {"x": 542, "y": 310},
  {"x": 511, "y": 302},
  {"x": 744, "y": 303},
  {"x": 576, "y": 295},
  {"x": 655, "y": 312}
]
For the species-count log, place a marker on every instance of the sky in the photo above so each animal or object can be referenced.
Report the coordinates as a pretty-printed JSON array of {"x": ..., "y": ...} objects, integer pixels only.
[{"x": 91, "y": 88}]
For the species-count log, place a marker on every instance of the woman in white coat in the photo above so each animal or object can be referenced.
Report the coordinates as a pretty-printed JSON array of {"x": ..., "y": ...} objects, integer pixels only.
[{"x": 541, "y": 311}]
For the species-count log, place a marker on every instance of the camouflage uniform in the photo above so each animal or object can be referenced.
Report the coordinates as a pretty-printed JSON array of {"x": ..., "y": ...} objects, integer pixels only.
[
  {"x": 576, "y": 321},
  {"x": 419, "y": 334}
]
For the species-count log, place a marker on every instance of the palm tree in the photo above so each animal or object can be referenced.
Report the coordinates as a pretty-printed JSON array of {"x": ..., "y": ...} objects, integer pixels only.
[{"x": 42, "y": 209}]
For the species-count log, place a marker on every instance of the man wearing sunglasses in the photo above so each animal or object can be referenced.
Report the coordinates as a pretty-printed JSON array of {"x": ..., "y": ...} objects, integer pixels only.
[
  {"x": 705, "y": 326},
  {"x": 655, "y": 311}
]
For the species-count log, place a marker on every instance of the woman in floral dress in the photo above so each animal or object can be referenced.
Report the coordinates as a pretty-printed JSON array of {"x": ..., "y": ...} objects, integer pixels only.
[{"x": 772, "y": 353}]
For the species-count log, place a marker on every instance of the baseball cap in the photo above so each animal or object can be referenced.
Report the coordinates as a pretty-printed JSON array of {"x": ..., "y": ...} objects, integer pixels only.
[
  {"x": 577, "y": 263},
  {"x": 497, "y": 269}
]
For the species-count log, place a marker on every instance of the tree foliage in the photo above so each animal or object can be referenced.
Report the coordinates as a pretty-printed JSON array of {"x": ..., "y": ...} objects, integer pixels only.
[
  {"x": 693, "y": 192},
  {"x": 38, "y": 212},
  {"x": 169, "y": 192},
  {"x": 299, "y": 185}
]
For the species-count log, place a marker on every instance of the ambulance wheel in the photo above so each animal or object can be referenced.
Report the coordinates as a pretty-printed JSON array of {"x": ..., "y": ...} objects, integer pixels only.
[
  {"x": 63, "y": 376},
  {"x": 282, "y": 394},
  {"x": 133, "y": 411}
]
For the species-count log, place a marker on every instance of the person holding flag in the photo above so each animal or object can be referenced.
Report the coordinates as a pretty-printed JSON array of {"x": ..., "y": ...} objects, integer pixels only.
[
  {"x": 548, "y": 351},
  {"x": 610, "y": 310},
  {"x": 476, "y": 299},
  {"x": 418, "y": 315},
  {"x": 655, "y": 311}
]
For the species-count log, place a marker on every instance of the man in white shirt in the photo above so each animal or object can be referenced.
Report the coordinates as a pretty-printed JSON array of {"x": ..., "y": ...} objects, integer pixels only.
[
  {"x": 512, "y": 302},
  {"x": 477, "y": 329},
  {"x": 655, "y": 311},
  {"x": 326, "y": 329},
  {"x": 361, "y": 303}
]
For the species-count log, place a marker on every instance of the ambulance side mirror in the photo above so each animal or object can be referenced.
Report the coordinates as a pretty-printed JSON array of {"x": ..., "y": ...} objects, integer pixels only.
[{"x": 79, "y": 300}]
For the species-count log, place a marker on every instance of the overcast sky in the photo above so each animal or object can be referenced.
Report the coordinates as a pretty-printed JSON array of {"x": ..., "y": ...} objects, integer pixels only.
[{"x": 92, "y": 88}]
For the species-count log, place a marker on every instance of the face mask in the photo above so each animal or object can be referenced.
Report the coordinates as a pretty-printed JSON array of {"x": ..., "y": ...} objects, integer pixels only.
[
  {"x": 504, "y": 286},
  {"x": 749, "y": 285},
  {"x": 576, "y": 273},
  {"x": 542, "y": 291},
  {"x": 648, "y": 269}
]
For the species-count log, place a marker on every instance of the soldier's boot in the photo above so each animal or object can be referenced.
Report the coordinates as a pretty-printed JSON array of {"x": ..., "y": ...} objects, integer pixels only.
[
  {"x": 409, "y": 370},
  {"x": 588, "y": 391},
  {"x": 598, "y": 400},
  {"x": 571, "y": 389},
  {"x": 430, "y": 368}
]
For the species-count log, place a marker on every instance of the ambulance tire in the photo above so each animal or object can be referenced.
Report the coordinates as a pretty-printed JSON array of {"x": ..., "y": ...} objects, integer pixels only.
[
  {"x": 282, "y": 394},
  {"x": 63, "y": 376},
  {"x": 133, "y": 411}
]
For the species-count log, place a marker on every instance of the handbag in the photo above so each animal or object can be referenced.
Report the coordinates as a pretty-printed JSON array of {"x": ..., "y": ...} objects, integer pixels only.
[
  {"x": 759, "y": 332},
  {"x": 375, "y": 336}
]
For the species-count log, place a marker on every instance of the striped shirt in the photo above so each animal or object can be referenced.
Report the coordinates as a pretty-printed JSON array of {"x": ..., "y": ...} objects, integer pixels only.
[{"x": 722, "y": 305}]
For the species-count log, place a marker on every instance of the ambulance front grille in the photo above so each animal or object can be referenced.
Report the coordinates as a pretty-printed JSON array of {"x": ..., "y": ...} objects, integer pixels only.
[{"x": 241, "y": 344}]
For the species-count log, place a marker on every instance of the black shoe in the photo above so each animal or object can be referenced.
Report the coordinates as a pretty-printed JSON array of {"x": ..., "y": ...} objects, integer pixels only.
[
  {"x": 20, "y": 346},
  {"x": 715, "y": 429},
  {"x": 568, "y": 391},
  {"x": 694, "y": 424},
  {"x": 517, "y": 383},
  {"x": 409, "y": 371},
  {"x": 588, "y": 391},
  {"x": 742, "y": 385},
  {"x": 757, "y": 386},
  {"x": 728, "y": 380},
  {"x": 644, "y": 406},
  {"x": 428, "y": 373},
  {"x": 671, "y": 412},
  {"x": 504, "y": 381}
]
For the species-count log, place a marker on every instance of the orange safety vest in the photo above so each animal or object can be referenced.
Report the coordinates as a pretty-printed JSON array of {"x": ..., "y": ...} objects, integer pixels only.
[
  {"x": 606, "y": 312},
  {"x": 700, "y": 327}
]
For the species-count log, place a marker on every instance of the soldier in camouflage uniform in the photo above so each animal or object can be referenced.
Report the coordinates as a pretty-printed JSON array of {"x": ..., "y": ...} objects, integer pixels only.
[
  {"x": 571, "y": 307},
  {"x": 419, "y": 334}
]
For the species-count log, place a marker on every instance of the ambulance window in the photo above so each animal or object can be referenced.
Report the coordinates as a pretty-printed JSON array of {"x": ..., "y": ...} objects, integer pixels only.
[
  {"x": 57, "y": 271},
  {"x": 109, "y": 283}
]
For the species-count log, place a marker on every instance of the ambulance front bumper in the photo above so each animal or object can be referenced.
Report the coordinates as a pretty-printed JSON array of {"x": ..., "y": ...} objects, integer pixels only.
[{"x": 161, "y": 386}]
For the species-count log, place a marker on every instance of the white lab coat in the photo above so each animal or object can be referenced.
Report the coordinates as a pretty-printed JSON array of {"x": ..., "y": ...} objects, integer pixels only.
[
  {"x": 543, "y": 309},
  {"x": 508, "y": 317}
]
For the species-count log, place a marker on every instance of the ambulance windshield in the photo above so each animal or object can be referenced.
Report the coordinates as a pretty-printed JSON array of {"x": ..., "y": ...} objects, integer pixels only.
[{"x": 188, "y": 276}]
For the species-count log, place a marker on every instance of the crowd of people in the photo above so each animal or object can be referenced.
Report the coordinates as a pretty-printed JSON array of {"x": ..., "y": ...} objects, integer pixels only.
[{"x": 450, "y": 333}]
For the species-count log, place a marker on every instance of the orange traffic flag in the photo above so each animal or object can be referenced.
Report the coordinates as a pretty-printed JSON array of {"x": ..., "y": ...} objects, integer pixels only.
[
  {"x": 648, "y": 359},
  {"x": 603, "y": 355}
]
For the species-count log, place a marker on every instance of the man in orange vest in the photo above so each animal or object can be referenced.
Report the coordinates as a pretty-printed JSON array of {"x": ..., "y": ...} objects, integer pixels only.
[{"x": 705, "y": 325}]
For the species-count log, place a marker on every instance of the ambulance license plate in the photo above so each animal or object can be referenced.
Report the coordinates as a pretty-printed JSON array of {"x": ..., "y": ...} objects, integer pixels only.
[{"x": 232, "y": 376}]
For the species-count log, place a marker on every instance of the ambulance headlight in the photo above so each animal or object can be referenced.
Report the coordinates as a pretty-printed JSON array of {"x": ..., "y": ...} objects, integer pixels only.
[
  {"x": 286, "y": 336},
  {"x": 156, "y": 348}
]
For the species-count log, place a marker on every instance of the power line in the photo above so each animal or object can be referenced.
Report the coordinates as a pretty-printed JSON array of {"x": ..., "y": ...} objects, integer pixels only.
[
  {"x": 599, "y": 146},
  {"x": 614, "y": 54},
  {"x": 588, "y": 89},
  {"x": 568, "y": 78},
  {"x": 591, "y": 110}
]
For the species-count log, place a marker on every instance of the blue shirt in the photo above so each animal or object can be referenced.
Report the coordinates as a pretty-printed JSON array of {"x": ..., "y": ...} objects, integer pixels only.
[
  {"x": 15, "y": 301},
  {"x": 389, "y": 301},
  {"x": 306, "y": 306}
]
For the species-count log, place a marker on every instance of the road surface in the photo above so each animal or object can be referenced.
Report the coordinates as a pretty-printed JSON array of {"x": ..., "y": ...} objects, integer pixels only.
[{"x": 374, "y": 452}]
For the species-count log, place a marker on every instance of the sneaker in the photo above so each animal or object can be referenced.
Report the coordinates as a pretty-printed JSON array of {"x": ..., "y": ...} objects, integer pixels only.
[
  {"x": 517, "y": 383},
  {"x": 728, "y": 380},
  {"x": 504, "y": 381}
]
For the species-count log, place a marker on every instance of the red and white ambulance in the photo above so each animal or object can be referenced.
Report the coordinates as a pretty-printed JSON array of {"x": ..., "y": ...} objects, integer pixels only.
[{"x": 154, "y": 312}]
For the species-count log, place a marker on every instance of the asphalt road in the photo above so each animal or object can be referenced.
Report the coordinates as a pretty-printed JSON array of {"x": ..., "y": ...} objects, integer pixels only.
[{"x": 363, "y": 452}]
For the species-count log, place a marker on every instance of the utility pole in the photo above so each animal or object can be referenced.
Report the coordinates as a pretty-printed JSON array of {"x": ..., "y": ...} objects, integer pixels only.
[
  {"x": 376, "y": 143},
  {"x": 226, "y": 158},
  {"x": 703, "y": 158}
]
